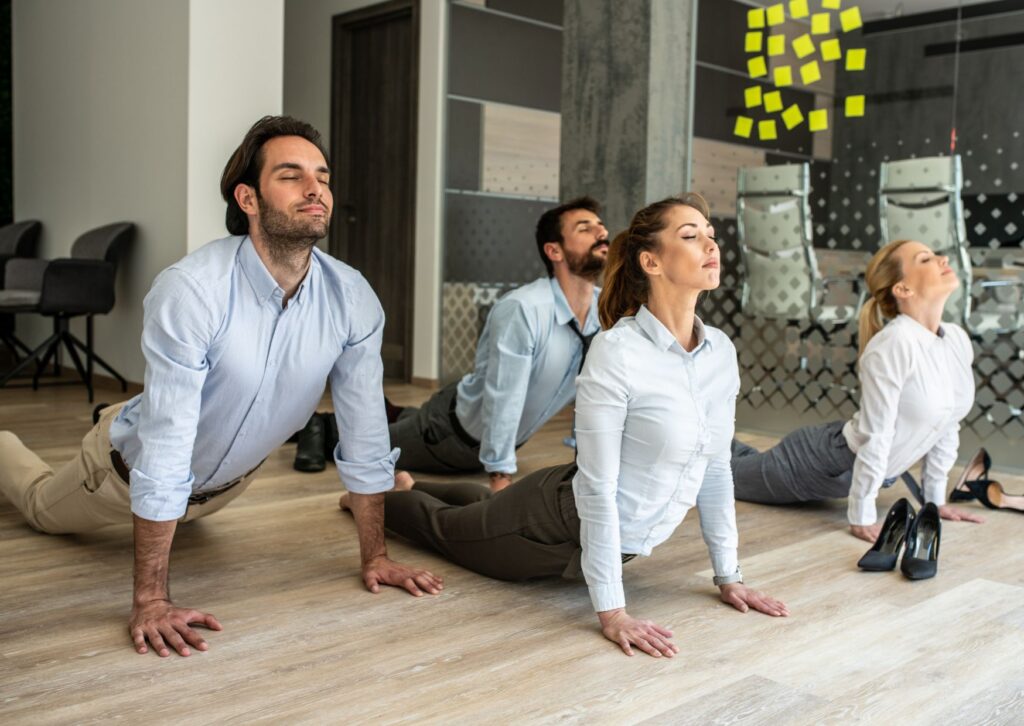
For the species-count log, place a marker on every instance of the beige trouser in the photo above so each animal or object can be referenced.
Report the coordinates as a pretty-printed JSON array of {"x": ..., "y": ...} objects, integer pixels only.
[{"x": 86, "y": 493}]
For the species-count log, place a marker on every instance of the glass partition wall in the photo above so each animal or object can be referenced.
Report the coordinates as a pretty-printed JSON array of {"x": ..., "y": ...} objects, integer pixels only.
[{"x": 824, "y": 128}]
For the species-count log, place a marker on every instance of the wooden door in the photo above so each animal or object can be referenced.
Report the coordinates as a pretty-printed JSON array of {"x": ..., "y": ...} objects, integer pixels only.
[{"x": 373, "y": 148}]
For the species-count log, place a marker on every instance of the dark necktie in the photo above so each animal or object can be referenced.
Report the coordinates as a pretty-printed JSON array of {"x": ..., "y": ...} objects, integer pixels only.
[{"x": 586, "y": 340}]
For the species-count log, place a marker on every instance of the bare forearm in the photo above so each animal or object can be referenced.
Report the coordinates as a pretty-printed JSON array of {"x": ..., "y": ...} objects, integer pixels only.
[
  {"x": 368, "y": 510},
  {"x": 152, "y": 558}
]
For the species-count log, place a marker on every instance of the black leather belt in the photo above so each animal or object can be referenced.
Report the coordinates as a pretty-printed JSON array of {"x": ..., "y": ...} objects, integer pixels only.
[
  {"x": 202, "y": 498},
  {"x": 463, "y": 435}
]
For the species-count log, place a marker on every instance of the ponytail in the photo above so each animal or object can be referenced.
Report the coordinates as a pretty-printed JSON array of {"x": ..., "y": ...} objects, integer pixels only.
[
  {"x": 884, "y": 271},
  {"x": 626, "y": 286}
]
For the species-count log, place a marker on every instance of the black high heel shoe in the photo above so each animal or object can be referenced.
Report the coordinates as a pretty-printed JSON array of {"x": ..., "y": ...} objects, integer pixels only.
[
  {"x": 921, "y": 557},
  {"x": 886, "y": 550},
  {"x": 975, "y": 471}
]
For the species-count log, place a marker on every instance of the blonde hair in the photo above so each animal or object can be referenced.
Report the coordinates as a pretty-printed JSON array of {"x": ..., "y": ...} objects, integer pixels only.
[
  {"x": 626, "y": 286},
  {"x": 884, "y": 270}
]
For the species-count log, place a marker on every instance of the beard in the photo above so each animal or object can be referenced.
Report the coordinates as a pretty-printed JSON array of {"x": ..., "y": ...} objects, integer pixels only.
[
  {"x": 286, "y": 236},
  {"x": 588, "y": 265}
]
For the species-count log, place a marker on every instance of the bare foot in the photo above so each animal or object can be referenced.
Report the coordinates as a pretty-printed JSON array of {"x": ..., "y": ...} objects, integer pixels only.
[
  {"x": 404, "y": 481},
  {"x": 343, "y": 504}
]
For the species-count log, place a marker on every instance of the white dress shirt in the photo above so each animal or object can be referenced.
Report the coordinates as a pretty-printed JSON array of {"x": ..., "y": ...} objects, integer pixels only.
[
  {"x": 653, "y": 429},
  {"x": 916, "y": 386}
]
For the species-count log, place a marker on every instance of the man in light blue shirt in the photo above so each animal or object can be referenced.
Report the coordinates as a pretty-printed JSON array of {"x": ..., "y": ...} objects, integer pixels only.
[
  {"x": 527, "y": 359},
  {"x": 239, "y": 338}
]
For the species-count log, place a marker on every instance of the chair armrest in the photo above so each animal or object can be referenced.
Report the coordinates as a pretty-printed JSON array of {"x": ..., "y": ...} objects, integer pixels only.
[
  {"x": 22, "y": 273},
  {"x": 77, "y": 287}
]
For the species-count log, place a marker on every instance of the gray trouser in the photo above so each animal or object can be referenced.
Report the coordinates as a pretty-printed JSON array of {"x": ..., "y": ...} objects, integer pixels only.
[
  {"x": 808, "y": 465},
  {"x": 529, "y": 529},
  {"x": 428, "y": 440}
]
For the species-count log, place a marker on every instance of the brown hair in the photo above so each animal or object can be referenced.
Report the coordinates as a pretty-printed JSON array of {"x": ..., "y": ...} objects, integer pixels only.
[
  {"x": 626, "y": 286},
  {"x": 246, "y": 164},
  {"x": 549, "y": 226},
  {"x": 884, "y": 270}
]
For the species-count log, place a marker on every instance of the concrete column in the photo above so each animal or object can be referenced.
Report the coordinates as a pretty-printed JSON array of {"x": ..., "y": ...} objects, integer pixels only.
[{"x": 627, "y": 81}]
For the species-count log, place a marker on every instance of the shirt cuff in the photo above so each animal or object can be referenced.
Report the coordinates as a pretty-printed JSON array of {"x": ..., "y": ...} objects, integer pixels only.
[
  {"x": 861, "y": 512},
  {"x": 372, "y": 477},
  {"x": 508, "y": 466},
  {"x": 157, "y": 501},
  {"x": 607, "y": 597},
  {"x": 724, "y": 563},
  {"x": 935, "y": 492}
]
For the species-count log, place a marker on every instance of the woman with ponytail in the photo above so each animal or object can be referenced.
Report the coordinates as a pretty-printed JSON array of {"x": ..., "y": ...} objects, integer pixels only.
[
  {"x": 655, "y": 407},
  {"x": 916, "y": 385}
]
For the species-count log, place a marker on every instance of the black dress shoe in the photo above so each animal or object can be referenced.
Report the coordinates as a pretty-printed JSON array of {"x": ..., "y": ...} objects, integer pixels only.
[
  {"x": 330, "y": 435},
  {"x": 886, "y": 550},
  {"x": 392, "y": 411},
  {"x": 309, "y": 454},
  {"x": 921, "y": 557}
]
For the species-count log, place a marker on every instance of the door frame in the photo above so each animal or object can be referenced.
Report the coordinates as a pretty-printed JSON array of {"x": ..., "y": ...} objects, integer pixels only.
[{"x": 341, "y": 125}]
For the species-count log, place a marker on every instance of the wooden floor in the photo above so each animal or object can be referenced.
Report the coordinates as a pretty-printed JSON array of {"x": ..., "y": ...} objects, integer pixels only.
[{"x": 304, "y": 642}]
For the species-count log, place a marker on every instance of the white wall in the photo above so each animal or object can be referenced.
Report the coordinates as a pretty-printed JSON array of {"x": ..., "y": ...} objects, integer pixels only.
[
  {"x": 235, "y": 76},
  {"x": 128, "y": 110},
  {"x": 307, "y": 95},
  {"x": 100, "y": 103}
]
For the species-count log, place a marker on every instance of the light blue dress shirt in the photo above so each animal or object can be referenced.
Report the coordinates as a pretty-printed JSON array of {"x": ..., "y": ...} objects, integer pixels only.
[
  {"x": 653, "y": 426},
  {"x": 230, "y": 375},
  {"x": 527, "y": 360}
]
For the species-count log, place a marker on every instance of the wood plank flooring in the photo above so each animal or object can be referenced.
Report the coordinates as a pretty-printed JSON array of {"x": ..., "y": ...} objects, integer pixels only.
[{"x": 304, "y": 642}]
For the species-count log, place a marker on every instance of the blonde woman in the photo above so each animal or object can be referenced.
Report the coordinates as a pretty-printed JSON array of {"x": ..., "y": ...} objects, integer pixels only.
[
  {"x": 916, "y": 385},
  {"x": 655, "y": 408}
]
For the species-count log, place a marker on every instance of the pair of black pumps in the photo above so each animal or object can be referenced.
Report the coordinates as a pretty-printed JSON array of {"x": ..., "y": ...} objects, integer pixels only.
[{"x": 916, "y": 533}]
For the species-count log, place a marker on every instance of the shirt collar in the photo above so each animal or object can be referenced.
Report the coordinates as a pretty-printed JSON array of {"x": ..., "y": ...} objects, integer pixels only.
[
  {"x": 563, "y": 313},
  {"x": 920, "y": 332},
  {"x": 263, "y": 283},
  {"x": 662, "y": 338}
]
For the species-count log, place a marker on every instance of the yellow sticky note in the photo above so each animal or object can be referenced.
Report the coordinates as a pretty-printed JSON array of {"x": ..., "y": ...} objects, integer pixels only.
[
  {"x": 755, "y": 18},
  {"x": 850, "y": 19},
  {"x": 772, "y": 101},
  {"x": 798, "y": 8},
  {"x": 830, "y": 4},
  {"x": 855, "y": 106},
  {"x": 752, "y": 96},
  {"x": 831, "y": 50},
  {"x": 803, "y": 46},
  {"x": 776, "y": 44},
  {"x": 783, "y": 76},
  {"x": 756, "y": 67},
  {"x": 817, "y": 120},
  {"x": 821, "y": 24},
  {"x": 792, "y": 116},
  {"x": 766, "y": 130},
  {"x": 743, "y": 127},
  {"x": 776, "y": 14},
  {"x": 809, "y": 73},
  {"x": 855, "y": 59},
  {"x": 752, "y": 44}
]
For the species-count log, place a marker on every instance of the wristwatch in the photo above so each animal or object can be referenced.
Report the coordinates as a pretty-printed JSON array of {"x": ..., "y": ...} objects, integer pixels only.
[{"x": 729, "y": 579}]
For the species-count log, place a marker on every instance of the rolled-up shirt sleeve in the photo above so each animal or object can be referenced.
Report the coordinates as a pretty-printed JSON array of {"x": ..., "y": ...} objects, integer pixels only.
[
  {"x": 509, "y": 361},
  {"x": 882, "y": 376},
  {"x": 363, "y": 455},
  {"x": 601, "y": 406},
  {"x": 177, "y": 330}
]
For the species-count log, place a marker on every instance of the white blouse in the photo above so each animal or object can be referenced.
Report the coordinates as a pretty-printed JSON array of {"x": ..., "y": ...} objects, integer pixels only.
[
  {"x": 653, "y": 429},
  {"x": 916, "y": 386}
]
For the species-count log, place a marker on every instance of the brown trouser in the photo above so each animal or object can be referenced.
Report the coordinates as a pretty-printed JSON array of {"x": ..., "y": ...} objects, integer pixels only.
[
  {"x": 530, "y": 529},
  {"x": 86, "y": 493}
]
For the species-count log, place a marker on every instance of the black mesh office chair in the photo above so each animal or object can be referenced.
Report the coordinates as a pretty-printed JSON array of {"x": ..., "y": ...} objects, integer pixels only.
[
  {"x": 66, "y": 288},
  {"x": 20, "y": 239}
]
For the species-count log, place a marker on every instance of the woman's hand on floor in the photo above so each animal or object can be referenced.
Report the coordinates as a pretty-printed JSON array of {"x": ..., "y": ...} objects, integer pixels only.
[
  {"x": 743, "y": 598},
  {"x": 958, "y": 515},
  {"x": 866, "y": 532},
  {"x": 626, "y": 631}
]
